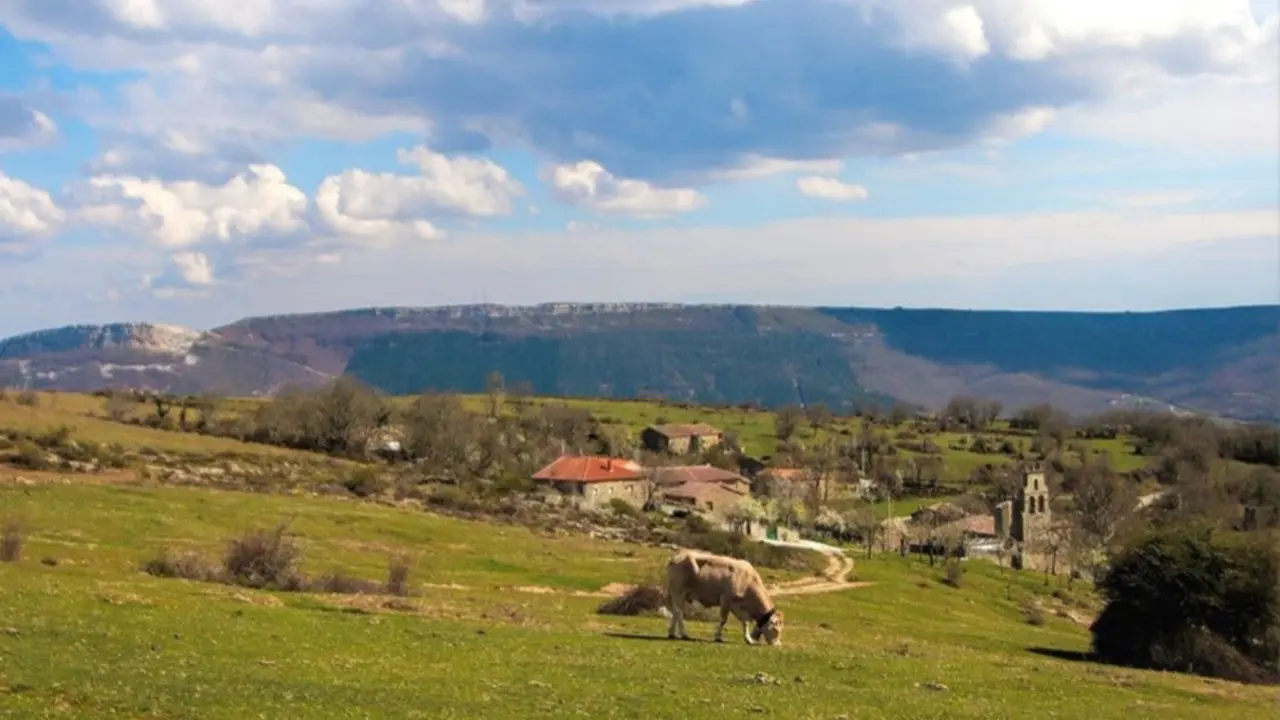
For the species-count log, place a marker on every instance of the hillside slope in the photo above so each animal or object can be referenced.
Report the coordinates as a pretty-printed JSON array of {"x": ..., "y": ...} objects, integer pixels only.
[{"x": 1222, "y": 361}]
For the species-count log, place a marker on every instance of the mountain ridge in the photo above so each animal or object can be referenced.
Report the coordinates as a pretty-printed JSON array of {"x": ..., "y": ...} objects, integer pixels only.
[{"x": 1222, "y": 361}]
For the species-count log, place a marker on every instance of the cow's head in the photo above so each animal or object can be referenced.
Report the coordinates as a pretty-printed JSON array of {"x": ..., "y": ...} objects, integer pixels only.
[{"x": 770, "y": 630}]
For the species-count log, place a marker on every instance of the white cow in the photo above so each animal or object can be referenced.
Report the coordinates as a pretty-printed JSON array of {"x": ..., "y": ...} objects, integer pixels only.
[{"x": 731, "y": 584}]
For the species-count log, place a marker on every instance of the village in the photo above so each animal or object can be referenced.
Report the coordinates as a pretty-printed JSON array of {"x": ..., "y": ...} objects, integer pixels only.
[{"x": 1020, "y": 528}]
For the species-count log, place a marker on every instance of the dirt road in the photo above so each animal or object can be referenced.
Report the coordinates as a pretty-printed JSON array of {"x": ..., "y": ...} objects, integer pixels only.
[{"x": 834, "y": 578}]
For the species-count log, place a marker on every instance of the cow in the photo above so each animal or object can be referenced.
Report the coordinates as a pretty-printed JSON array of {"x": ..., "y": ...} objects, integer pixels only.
[{"x": 731, "y": 584}]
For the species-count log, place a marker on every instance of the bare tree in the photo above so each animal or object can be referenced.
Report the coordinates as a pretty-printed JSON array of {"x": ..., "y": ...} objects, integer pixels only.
[
  {"x": 494, "y": 394},
  {"x": 862, "y": 521},
  {"x": 437, "y": 432},
  {"x": 787, "y": 421}
]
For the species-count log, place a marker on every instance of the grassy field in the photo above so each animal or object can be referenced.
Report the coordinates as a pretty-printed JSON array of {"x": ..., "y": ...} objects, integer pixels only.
[
  {"x": 90, "y": 636},
  {"x": 755, "y": 429},
  {"x": 85, "y": 416}
]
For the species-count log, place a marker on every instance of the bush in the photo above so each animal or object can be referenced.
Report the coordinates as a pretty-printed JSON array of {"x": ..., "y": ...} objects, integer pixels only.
[
  {"x": 1190, "y": 600},
  {"x": 639, "y": 600},
  {"x": 11, "y": 540},
  {"x": 264, "y": 559},
  {"x": 648, "y": 599},
  {"x": 365, "y": 482},
  {"x": 955, "y": 574},
  {"x": 398, "y": 576},
  {"x": 343, "y": 584},
  {"x": 622, "y": 508},
  {"x": 1032, "y": 612},
  {"x": 181, "y": 564},
  {"x": 31, "y": 456},
  {"x": 28, "y": 398}
]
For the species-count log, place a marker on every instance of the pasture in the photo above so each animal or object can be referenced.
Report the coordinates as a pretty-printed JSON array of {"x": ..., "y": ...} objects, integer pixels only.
[{"x": 503, "y": 625}]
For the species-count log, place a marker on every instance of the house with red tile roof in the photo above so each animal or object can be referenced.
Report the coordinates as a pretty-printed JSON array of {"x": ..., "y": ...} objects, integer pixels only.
[{"x": 594, "y": 480}]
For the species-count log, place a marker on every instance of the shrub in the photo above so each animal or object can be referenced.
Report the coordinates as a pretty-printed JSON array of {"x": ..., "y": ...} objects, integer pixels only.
[
  {"x": 30, "y": 456},
  {"x": 365, "y": 482},
  {"x": 648, "y": 599},
  {"x": 622, "y": 508},
  {"x": 1191, "y": 600},
  {"x": 28, "y": 398},
  {"x": 1032, "y": 612},
  {"x": 264, "y": 559},
  {"x": 11, "y": 539},
  {"x": 955, "y": 574},
  {"x": 181, "y": 564},
  {"x": 343, "y": 584},
  {"x": 640, "y": 600},
  {"x": 398, "y": 576}
]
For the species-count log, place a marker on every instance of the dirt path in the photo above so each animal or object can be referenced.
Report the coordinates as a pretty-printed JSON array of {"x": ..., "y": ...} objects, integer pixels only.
[{"x": 834, "y": 578}]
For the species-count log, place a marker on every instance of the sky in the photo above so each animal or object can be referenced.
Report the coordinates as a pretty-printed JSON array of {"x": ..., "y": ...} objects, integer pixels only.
[{"x": 198, "y": 161}]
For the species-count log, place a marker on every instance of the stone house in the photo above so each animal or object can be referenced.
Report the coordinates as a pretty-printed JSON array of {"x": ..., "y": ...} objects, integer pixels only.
[
  {"x": 801, "y": 481},
  {"x": 681, "y": 439},
  {"x": 682, "y": 474},
  {"x": 711, "y": 498},
  {"x": 594, "y": 481}
]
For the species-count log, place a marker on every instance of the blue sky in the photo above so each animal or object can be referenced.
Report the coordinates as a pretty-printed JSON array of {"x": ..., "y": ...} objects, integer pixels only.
[{"x": 191, "y": 161}]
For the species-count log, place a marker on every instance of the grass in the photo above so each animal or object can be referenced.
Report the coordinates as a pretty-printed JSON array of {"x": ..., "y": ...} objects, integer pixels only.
[
  {"x": 86, "y": 414},
  {"x": 94, "y": 636},
  {"x": 83, "y": 414}
]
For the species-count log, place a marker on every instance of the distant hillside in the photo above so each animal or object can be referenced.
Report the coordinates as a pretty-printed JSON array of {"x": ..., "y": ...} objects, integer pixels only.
[{"x": 1221, "y": 361}]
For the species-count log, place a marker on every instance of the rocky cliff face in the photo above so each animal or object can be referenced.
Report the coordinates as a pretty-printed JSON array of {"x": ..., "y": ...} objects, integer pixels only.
[
  {"x": 1221, "y": 361},
  {"x": 140, "y": 337}
]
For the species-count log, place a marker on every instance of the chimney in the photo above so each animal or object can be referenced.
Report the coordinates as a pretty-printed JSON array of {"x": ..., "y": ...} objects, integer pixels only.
[{"x": 608, "y": 464}]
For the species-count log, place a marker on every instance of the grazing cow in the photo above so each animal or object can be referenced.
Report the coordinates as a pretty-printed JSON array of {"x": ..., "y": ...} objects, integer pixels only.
[{"x": 731, "y": 584}]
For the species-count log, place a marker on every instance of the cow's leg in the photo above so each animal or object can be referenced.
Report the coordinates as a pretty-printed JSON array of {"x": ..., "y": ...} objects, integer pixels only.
[
  {"x": 673, "y": 604},
  {"x": 747, "y": 627},
  {"x": 677, "y": 607},
  {"x": 724, "y": 618}
]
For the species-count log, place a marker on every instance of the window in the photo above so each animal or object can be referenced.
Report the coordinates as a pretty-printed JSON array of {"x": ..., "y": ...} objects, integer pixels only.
[{"x": 1041, "y": 503}]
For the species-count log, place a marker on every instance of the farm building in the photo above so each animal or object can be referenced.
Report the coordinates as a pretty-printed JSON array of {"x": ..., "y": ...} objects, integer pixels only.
[
  {"x": 681, "y": 439},
  {"x": 594, "y": 480},
  {"x": 682, "y": 474}
]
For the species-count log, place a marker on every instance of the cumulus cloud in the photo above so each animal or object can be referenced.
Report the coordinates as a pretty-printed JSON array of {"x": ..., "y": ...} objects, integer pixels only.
[
  {"x": 826, "y": 188},
  {"x": 386, "y": 205},
  {"x": 172, "y": 154},
  {"x": 587, "y": 184},
  {"x": 257, "y": 203},
  {"x": 22, "y": 126},
  {"x": 753, "y": 167},
  {"x": 545, "y": 73},
  {"x": 28, "y": 215}
]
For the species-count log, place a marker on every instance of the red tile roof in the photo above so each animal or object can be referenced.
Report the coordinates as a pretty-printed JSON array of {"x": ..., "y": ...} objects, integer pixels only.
[
  {"x": 590, "y": 469},
  {"x": 680, "y": 474}
]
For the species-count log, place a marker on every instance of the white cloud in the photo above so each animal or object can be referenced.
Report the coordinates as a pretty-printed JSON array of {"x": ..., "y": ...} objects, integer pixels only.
[
  {"x": 826, "y": 188},
  {"x": 27, "y": 215},
  {"x": 22, "y": 126},
  {"x": 388, "y": 206},
  {"x": 193, "y": 268},
  {"x": 455, "y": 69},
  {"x": 257, "y": 203},
  {"x": 587, "y": 184},
  {"x": 754, "y": 167}
]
